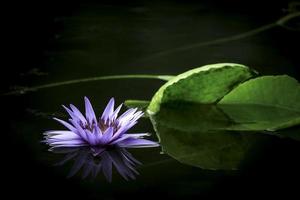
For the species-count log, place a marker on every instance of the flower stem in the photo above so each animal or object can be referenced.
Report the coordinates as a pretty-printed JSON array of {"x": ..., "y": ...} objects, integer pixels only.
[
  {"x": 213, "y": 42},
  {"x": 279, "y": 23},
  {"x": 24, "y": 90}
]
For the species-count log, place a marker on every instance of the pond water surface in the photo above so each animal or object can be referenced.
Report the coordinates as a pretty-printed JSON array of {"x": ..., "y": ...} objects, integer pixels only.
[{"x": 99, "y": 39}]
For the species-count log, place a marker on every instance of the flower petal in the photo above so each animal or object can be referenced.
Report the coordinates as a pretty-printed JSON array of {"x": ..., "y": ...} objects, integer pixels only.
[
  {"x": 129, "y": 118},
  {"x": 63, "y": 135},
  {"x": 122, "y": 130},
  {"x": 116, "y": 112},
  {"x": 107, "y": 135},
  {"x": 57, "y": 132},
  {"x": 79, "y": 130},
  {"x": 126, "y": 116},
  {"x": 78, "y": 113},
  {"x": 125, "y": 136},
  {"x": 70, "y": 112},
  {"x": 89, "y": 111},
  {"x": 91, "y": 137},
  {"x": 66, "y": 124},
  {"x": 137, "y": 135},
  {"x": 135, "y": 143},
  {"x": 97, "y": 133},
  {"x": 68, "y": 143},
  {"x": 108, "y": 111},
  {"x": 66, "y": 146},
  {"x": 119, "y": 139}
]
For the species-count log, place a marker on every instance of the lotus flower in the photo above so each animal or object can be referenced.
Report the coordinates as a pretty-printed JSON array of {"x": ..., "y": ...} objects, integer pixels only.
[
  {"x": 98, "y": 133},
  {"x": 119, "y": 158}
]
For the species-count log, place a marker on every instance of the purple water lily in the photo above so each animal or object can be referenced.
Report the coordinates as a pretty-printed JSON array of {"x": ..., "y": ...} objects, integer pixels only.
[{"x": 98, "y": 133}]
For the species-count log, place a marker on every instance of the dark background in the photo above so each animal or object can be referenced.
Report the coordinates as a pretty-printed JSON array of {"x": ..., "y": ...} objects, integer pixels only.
[{"x": 50, "y": 41}]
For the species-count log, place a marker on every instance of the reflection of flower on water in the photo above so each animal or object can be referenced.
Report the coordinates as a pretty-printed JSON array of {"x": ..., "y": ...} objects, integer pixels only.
[
  {"x": 98, "y": 133},
  {"x": 91, "y": 165}
]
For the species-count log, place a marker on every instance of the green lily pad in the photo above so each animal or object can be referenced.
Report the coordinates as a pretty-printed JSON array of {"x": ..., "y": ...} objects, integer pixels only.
[
  {"x": 264, "y": 103},
  {"x": 204, "y": 85}
]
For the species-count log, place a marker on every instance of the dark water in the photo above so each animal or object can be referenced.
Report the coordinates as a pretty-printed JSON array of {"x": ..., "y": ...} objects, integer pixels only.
[{"x": 61, "y": 41}]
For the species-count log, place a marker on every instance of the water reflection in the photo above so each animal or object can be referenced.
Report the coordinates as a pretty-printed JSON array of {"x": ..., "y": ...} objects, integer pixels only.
[
  {"x": 203, "y": 136},
  {"x": 90, "y": 165}
]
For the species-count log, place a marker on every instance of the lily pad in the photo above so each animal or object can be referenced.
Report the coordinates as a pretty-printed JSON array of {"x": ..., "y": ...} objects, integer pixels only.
[
  {"x": 264, "y": 103},
  {"x": 204, "y": 85}
]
